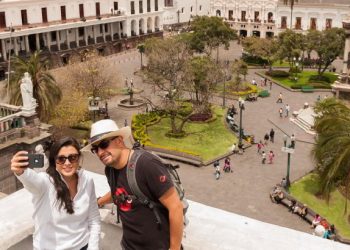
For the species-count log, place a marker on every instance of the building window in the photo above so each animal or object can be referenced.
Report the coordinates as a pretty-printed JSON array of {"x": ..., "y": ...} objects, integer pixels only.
[
  {"x": 270, "y": 17},
  {"x": 243, "y": 16},
  {"x": 313, "y": 23},
  {"x": 283, "y": 22},
  {"x": 256, "y": 16},
  {"x": 168, "y": 3},
  {"x": 44, "y": 14},
  {"x": 132, "y": 7},
  {"x": 63, "y": 13},
  {"x": 328, "y": 23},
  {"x": 148, "y": 5},
  {"x": 98, "y": 12},
  {"x": 2, "y": 20},
  {"x": 140, "y": 7},
  {"x": 156, "y": 5},
  {"x": 298, "y": 23},
  {"x": 191, "y": 9},
  {"x": 81, "y": 10},
  {"x": 24, "y": 17},
  {"x": 101, "y": 28},
  {"x": 230, "y": 15},
  {"x": 115, "y": 5},
  {"x": 53, "y": 36},
  {"x": 200, "y": 7},
  {"x": 81, "y": 31},
  {"x": 106, "y": 27}
]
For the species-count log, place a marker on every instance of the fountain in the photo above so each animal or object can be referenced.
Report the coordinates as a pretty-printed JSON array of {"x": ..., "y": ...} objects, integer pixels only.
[{"x": 131, "y": 102}]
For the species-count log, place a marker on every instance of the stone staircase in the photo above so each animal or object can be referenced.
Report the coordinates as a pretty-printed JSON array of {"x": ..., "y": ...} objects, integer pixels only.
[{"x": 305, "y": 120}]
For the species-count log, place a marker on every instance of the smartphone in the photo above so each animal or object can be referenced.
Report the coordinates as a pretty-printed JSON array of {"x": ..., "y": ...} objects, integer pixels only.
[{"x": 36, "y": 160}]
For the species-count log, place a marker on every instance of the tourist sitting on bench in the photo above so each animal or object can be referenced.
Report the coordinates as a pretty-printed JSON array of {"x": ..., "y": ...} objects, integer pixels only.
[
  {"x": 292, "y": 205},
  {"x": 316, "y": 221},
  {"x": 277, "y": 195},
  {"x": 301, "y": 210},
  {"x": 329, "y": 233}
]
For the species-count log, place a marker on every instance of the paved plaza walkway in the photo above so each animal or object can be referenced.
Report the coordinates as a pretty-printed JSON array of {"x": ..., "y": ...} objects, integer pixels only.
[{"x": 246, "y": 190}]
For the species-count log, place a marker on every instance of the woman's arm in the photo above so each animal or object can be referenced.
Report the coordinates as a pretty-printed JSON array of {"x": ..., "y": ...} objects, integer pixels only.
[
  {"x": 33, "y": 182},
  {"x": 94, "y": 219}
]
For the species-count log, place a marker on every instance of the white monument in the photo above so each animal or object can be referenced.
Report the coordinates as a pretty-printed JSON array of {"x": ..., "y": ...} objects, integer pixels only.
[{"x": 29, "y": 103}]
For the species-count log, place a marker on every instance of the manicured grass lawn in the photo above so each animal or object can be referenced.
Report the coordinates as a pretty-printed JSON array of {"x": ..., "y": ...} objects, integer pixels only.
[
  {"x": 303, "y": 78},
  {"x": 305, "y": 189},
  {"x": 279, "y": 64},
  {"x": 208, "y": 140}
]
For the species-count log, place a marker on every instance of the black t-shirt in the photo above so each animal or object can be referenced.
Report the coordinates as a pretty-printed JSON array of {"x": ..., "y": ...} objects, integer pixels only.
[{"x": 140, "y": 230}]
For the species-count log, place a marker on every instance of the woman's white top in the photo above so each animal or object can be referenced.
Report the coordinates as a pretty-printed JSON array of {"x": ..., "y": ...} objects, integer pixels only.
[{"x": 56, "y": 229}]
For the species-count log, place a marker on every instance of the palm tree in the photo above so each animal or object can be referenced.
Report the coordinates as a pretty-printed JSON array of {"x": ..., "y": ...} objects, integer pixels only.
[
  {"x": 332, "y": 150},
  {"x": 141, "y": 49},
  {"x": 291, "y": 2},
  {"x": 45, "y": 89}
]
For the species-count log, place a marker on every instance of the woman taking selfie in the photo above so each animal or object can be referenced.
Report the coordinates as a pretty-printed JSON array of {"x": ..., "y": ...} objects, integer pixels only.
[{"x": 66, "y": 215}]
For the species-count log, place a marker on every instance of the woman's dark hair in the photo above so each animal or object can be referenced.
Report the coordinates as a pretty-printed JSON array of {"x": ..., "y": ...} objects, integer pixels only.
[{"x": 63, "y": 195}]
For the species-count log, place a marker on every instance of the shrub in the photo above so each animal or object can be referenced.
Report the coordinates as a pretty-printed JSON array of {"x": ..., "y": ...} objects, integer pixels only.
[
  {"x": 318, "y": 85},
  {"x": 249, "y": 90},
  {"x": 294, "y": 70},
  {"x": 277, "y": 73},
  {"x": 250, "y": 59},
  {"x": 319, "y": 79},
  {"x": 296, "y": 86}
]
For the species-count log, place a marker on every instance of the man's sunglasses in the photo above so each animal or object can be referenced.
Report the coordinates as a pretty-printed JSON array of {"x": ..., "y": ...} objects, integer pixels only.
[
  {"x": 102, "y": 145},
  {"x": 73, "y": 158}
]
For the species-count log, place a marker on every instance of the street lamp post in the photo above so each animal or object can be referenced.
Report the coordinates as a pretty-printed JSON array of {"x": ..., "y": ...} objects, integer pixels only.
[
  {"x": 241, "y": 108},
  {"x": 94, "y": 105},
  {"x": 289, "y": 149}
]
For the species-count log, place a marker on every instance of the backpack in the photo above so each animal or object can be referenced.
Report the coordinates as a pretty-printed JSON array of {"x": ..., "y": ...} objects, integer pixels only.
[{"x": 112, "y": 175}]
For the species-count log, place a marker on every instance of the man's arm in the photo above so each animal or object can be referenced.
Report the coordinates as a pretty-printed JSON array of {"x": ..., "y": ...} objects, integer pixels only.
[
  {"x": 106, "y": 199},
  {"x": 170, "y": 199}
]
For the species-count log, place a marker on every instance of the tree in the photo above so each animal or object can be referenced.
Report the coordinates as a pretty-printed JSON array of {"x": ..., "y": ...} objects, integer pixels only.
[
  {"x": 329, "y": 46},
  {"x": 203, "y": 73},
  {"x": 210, "y": 33},
  {"x": 239, "y": 68},
  {"x": 94, "y": 76},
  {"x": 262, "y": 47},
  {"x": 332, "y": 149},
  {"x": 290, "y": 45},
  {"x": 312, "y": 38},
  {"x": 141, "y": 49},
  {"x": 45, "y": 89},
  {"x": 167, "y": 62}
]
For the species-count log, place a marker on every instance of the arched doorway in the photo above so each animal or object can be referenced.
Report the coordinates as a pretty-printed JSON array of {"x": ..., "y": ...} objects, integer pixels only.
[
  {"x": 149, "y": 25},
  {"x": 133, "y": 28},
  {"x": 141, "y": 26},
  {"x": 256, "y": 33},
  {"x": 218, "y": 13},
  {"x": 243, "y": 33},
  {"x": 156, "y": 23},
  {"x": 270, "y": 17},
  {"x": 270, "y": 34}
]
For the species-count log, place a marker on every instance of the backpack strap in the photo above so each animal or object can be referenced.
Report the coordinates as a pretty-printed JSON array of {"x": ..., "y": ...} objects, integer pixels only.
[
  {"x": 135, "y": 189},
  {"x": 112, "y": 176}
]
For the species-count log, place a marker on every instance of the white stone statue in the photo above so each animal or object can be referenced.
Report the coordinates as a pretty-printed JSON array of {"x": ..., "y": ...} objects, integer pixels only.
[{"x": 27, "y": 92}]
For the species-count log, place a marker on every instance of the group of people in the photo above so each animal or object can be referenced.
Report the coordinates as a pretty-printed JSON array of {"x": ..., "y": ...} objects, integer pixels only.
[
  {"x": 261, "y": 145},
  {"x": 263, "y": 82},
  {"x": 320, "y": 224},
  {"x": 226, "y": 168},
  {"x": 66, "y": 208},
  {"x": 284, "y": 110}
]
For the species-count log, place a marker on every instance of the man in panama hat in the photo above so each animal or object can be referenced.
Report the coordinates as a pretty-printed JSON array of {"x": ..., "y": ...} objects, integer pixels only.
[{"x": 140, "y": 230}]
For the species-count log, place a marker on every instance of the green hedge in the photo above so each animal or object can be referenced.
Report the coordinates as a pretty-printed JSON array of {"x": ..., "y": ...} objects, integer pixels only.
[
  {"x": 255, "y": 60},
  {"x": 319, "y": 79},
  {"x": 277, "y": 73}
]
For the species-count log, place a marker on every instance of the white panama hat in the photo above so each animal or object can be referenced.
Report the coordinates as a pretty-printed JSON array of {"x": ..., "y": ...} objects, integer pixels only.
[{"x": 104, "y": 129}]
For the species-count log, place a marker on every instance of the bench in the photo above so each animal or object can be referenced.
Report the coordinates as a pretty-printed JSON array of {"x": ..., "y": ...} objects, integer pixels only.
[{"x": 307, "y": 89}]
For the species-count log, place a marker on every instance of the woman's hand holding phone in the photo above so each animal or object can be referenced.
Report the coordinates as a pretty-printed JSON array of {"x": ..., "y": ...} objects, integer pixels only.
[{"x": 19, "y": 162}]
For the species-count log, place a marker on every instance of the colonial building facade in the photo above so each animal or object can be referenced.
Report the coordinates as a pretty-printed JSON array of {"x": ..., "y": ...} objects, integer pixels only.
[
  {"x": 266, "y": 18},
  {"x": 58, "y": 28}
]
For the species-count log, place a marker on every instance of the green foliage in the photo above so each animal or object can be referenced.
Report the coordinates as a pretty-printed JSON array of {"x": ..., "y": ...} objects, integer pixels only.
[
  {"x": 139, "y": 125},
  {"x": 45, "y": 89},
  {"x": 294, "y": 70},
  {"x": 254, "y": 60},
  {"x": 319, "y": 78},
  {"x": 278, "y": 73},
  {"x": 291, "y": 44},
  {"x": 245, "y": 90},
  {"x": 332, "y": 149},
  {"x": 306, "y": 190},
  {"x": 210, "y": 32}
]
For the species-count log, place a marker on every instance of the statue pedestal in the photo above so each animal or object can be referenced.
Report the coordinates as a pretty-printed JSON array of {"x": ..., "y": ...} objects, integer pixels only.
[{"x": 28, "y": 112}]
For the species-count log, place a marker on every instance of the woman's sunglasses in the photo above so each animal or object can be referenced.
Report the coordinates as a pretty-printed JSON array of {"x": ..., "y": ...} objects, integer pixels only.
[
  {"x": 73, "y": 158},
  {"x": 102, "y": 145}
]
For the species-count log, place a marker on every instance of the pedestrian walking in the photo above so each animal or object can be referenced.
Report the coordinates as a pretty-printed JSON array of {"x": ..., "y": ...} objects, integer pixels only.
[
  {"x": 285, "y": 137},
  {"x": 287, "y": 110},
  {"x": 125, "y": 122},
  {"x": 271, "y": 157},
  {"x": 281, "y": 112},
  {"x": 263, "y": 155},
  {"x": 270, "y": 85},
  {"x": 254, "y": 82},
  {"x": 272, "y": 135},
  {"x": 292, "y": 141},
  {"x": 266, "y": 138},
  {"x": 265, "y": 82},
  {"x": 260, "y": 146},
  {"x": 280, "y": 98},
  {"x": 318, "y": 98}
]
